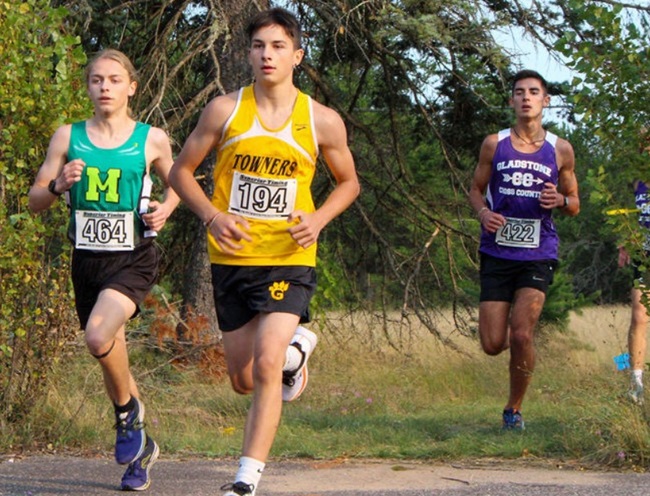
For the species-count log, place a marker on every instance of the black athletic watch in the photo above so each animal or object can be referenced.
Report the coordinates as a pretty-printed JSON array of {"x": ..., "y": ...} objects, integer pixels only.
[{"x": 52, "y": 188}]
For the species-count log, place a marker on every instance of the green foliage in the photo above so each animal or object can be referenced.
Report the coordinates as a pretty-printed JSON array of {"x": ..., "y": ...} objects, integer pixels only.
[
  {"x": 40, "y": 88},
  {"x": 609, "y": 52},
  {"x": 333, "y": 285},
  {"x": 588, "y": 247},
  {"x": 561, "y": 299}
]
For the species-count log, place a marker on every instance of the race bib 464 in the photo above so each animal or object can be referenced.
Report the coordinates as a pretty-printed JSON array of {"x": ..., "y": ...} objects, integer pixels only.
[{"x": 104, "y": 231}]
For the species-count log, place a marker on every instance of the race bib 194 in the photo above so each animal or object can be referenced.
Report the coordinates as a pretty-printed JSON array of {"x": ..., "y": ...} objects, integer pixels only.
[
  {"x": 261, "y": 197},
  {"x": 519, "y": 233},
  {"x": 104, "y": 231}
]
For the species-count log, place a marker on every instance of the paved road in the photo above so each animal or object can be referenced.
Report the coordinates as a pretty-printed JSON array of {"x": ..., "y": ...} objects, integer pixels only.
[{"x": 62, "y": 475}]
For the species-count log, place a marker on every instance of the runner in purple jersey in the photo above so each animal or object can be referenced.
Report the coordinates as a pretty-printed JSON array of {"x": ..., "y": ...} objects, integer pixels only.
[
  {"x": 523, "y": 174},
  {"x": 514, "y": 190}
]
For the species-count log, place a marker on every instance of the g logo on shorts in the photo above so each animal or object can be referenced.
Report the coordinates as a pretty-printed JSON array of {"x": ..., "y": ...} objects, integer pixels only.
[{"x": 278, "y": 289}]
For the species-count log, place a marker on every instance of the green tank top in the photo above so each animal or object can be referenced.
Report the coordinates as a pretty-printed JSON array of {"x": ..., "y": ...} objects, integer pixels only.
[{"x": 106, "y": 205}]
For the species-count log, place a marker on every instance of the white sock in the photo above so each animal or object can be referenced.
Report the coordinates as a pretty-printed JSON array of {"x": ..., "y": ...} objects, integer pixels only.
[
  {"x": 294, "y": 355},
  {"x": 293, "y": 358},
  {"x": 250, "y": 471},
  {"x": 637, "y": 377}
]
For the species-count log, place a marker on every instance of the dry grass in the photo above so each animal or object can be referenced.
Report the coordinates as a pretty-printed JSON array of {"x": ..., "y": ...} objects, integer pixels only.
[{"x": 377, "y": 389}]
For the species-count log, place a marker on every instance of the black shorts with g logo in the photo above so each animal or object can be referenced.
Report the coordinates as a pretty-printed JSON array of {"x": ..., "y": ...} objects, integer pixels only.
[{"x": 242, "y": 292}]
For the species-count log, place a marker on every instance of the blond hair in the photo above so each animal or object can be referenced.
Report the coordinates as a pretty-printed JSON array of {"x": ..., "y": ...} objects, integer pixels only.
[{"x": 117, "y": 56}]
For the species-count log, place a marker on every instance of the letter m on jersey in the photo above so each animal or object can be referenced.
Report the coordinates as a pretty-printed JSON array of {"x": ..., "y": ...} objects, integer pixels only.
[{"x": 109, "y": 186}]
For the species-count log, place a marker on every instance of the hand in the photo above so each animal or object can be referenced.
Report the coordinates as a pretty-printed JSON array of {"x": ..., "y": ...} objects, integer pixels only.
[
  {"x": 228, "y": 230},
  {"x": 550, "y": 197},
  {"x": 157, "y": 216},
  {"x": 492, "y": 221},
  {"x": 307, "y": 230},
  {"x": 70, "y": 174}
]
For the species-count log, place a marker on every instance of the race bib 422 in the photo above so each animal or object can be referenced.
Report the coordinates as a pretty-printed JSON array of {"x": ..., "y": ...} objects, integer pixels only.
[{"x": 519, "y": 233}]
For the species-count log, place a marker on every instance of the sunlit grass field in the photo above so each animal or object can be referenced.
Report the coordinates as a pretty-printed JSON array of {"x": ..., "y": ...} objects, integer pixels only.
[{"x": 366, "y": 399}]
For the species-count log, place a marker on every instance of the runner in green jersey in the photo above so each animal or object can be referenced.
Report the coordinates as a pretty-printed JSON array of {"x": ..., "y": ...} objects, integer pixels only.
[{"x": 102, "y": 166}]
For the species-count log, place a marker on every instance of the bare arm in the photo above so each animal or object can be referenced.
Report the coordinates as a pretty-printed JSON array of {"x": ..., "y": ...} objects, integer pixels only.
[
  {"x": 491, "y": 221},
  {"x": 227, "y": 229},
  {"x": 332, "y": 140},
  {"x": 159, "y": 151},
  {"x": 55, "y": 167},
  {"x": 567, "y": 177},
  {"x": 554, "y": 196}
]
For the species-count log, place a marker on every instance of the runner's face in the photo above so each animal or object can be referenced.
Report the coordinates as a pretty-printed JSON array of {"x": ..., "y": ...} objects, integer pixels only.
[
  {"x": 109, "y": 86},
  {"x": 272, "y": 54},
  {"x": 529, "y": 98}
]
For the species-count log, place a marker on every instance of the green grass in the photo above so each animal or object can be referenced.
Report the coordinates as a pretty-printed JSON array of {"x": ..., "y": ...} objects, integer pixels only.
[{"x": 381, "y": 404}]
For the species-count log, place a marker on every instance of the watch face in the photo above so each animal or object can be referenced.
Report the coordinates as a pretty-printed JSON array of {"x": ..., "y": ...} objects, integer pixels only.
[{"x": 52, "y": 187}]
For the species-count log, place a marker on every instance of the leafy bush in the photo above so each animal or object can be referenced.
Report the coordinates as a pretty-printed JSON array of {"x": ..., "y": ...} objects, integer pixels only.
[{"x": 40, "y": 89}]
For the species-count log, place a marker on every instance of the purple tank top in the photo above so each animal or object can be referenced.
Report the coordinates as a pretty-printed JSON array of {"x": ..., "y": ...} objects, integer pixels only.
[
  {"x": 515, "y": 185},
  {"x": 642, "y": 202}
]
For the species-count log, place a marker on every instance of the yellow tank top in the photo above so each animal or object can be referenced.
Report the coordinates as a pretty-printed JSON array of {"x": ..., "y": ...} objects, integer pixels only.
[{"x": 263, "y": 175}]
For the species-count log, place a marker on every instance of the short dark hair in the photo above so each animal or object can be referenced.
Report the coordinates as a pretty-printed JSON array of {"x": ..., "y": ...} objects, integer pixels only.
[
  {"x": 526, "y": 74},
  {"x": 279, "y": 17}
]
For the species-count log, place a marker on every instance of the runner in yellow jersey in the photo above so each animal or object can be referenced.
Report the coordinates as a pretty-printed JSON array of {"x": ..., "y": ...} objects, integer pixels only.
[
  {"x": 264, "y": 174},
  {"x": 263, "y": 226}
]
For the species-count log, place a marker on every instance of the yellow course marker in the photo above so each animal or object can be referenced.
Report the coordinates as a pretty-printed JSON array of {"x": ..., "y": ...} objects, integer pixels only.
[{"x": 621, "y": 211}]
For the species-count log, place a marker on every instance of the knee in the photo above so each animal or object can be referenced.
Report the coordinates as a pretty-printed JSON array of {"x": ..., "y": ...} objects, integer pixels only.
[
  {"x": 521, "y": 340},
  {"x": 241, "y": 381},
  {"x": 241, "y": 387},
  {"x": 492, "y": 350},
  {"x": 99, "y": 346},
  {"x": 241, "y": 375},
  {"x": 493, "y": 346},
  {"x": 265, "y": 370},
  {"x": 268, "y": 369}
]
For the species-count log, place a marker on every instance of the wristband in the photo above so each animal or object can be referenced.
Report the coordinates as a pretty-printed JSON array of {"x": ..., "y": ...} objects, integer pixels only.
[
  {"x": 209, "y": 223},
  {"x": 566, "y": 201},
  {"x": 51, "y": 187},
  {"x": 480, "y": 212}
]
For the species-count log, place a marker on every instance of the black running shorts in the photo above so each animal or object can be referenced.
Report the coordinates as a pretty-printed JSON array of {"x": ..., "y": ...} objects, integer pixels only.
[
  {"x": 132, "y": 273},
  {"x": 500, "y": 278},
  {"x": 240, "y": 293}
]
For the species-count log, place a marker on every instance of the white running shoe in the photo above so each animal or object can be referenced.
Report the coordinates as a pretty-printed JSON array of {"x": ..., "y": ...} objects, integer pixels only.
[{"x": 295, "y": 381}]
